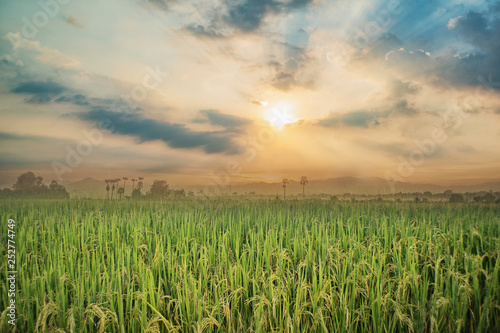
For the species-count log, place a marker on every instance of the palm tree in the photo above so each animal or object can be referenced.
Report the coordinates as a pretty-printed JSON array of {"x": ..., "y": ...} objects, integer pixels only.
[
  {"x": 120, "y": 192},
  {"x": 303, "y": 182},
  {"x": 107, "y": 186},
  {"x": 284, "y": 182},
  {"x": 140, "y": 184},
  {"x": 133, "y": 184},
  {"x": 124, "y": 180},
  {"x": 113, "y": 181}
]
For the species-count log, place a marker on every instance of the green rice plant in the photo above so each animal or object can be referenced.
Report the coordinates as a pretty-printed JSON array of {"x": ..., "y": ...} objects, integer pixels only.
[{"x": 232, "y": 266}]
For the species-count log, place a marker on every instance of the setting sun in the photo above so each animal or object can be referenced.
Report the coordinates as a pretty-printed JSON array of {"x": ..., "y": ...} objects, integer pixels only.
[{"x": 280, "y": 115}]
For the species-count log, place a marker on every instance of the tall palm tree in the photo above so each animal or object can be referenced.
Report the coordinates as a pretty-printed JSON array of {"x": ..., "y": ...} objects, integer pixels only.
[
  {"x": 113, "y": 182},
  {"x": 133, "y": 184},
  {"x": 107, "y": 186},
  {"x": 284, "y": 182},
  {"x": 303, "y": 182},
  {"x": 124, "y": 180}
]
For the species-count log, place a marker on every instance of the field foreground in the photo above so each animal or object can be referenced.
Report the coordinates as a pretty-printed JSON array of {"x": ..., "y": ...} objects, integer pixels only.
[{"x": 229, "y": 266}]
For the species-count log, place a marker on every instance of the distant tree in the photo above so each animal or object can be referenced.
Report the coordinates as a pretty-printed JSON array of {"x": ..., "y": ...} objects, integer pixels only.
[
  {"x": 179, "y": 193},
  {"x": 26, "y": 181},
  {"x": 417, "y": 199},
  {"x": 133, "y": 184},
  {"x": 427, "y": 194},
  {"x": 107, "y": 181},
  {"x": 284, "y": 183},
  {"x": 120, "y": 192},
  {"x": 136, "y": 194},
  {"x": 124, "y": 181},
  {"x": 303, "y": 182},
  {"x": 489, "y": 198},
  {"x": 57, "y": 190},
  {"x": 159, "y": 189},
  {"x": 447, "y": 193},
  {"x": 456, "y": 198},
  {"x": 28, "y": 186},
  {"x": 115, "y": 186}
]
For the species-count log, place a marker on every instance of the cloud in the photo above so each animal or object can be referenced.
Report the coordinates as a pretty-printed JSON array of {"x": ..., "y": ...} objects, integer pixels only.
[
  {"x": 248, "y": 15},
  {"x": 175, "y": 135},
  {"x": 160, "y": 4},
  {"x": 45, "y": 55},
  {"x": 369, "y": 118},
  {"x": 452, "y": 23},
  {"x": 216, "y": 118},
  {"x": 400, "y": 88},
  {"x": 199, "y": 30},
  {"x": 354, "y": 119},
  {"x": 42, "y": 92},
  {"x": 39, "y": 87},
  {"x": 75, "y": 99},
  {"x": 75, "y": 22},
  {"x": 481, "y": 30}
]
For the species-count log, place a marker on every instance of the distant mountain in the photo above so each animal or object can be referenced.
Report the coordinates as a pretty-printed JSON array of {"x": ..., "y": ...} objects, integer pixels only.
[
  {"x": 94, "y": 188},
  {"x": 354, "y": 185}
]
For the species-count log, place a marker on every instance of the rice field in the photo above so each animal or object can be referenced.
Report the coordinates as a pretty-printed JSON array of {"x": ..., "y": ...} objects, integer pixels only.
[{"x": 230, "y": 266}]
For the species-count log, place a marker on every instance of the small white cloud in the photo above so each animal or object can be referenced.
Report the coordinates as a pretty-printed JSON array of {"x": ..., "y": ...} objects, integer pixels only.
[
  {"x": 452, "y": 23},
  {"x": 45, "y": 54}
]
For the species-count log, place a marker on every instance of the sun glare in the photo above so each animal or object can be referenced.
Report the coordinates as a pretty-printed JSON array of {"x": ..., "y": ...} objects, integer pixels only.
[{"x": 280, "y": 115}]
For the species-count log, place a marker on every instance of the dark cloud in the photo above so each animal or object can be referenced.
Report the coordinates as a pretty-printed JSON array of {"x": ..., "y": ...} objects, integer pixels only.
[
  {"x": 199, "y": 30},
  {"x": 39, "y": 87},
  {"x": 175, "y": 135},
  {"x": 369, "y": 118},
  {"x": 216, "y": 118},
  {"x": 248, "y": 15},
  {"x": 75, "y": 99},
  {"x": 160, "y": 4},
  {"x": 479, "y": 29},
  {"x": 42, "y": 92},
  {"x": 290, "y": 73},
  {"x": 354, "y": 119},
  {"x": 402, "y": 107},
  {"x": 400, "y": 88}
]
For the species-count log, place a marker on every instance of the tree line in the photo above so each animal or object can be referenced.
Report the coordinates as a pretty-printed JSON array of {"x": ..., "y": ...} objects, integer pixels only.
[
  {"x": 158, "y": 190},
  {"x": 30, "y": 186}
]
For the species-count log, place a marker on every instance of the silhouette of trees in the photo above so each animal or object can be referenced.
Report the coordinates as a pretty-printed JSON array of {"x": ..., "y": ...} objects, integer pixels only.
[
  {"x": 303, "y": 182},
  {"x": 120, "y": 192},
  {"x": 136, "y": 193},
  {"x": 285, "y": 182},
  {"x": 159, "y": 189},
  {"x": 30, "y": 186},
  {"x": 28, "y": 182},
  {"x": 456, "y": 198},
  {"x": 114, "y": 187},
  {"x": 124, "y": 182},
  {"x": 107, "y": 181}
]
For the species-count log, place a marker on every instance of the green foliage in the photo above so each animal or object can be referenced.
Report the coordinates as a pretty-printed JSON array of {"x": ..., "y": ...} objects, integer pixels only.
[{"x": 271, "y": 266}]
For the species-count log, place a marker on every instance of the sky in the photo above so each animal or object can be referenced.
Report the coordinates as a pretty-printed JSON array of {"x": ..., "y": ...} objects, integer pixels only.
[{"x": 220, "y": 92}]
